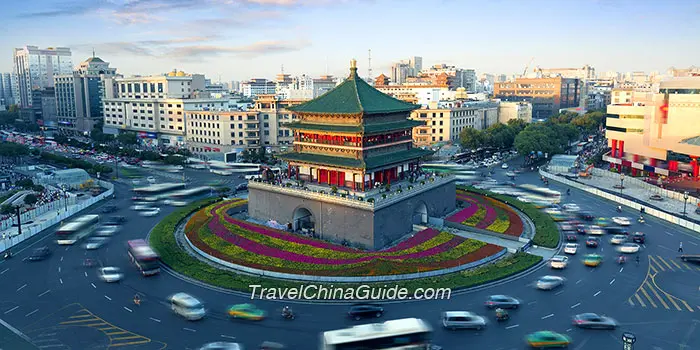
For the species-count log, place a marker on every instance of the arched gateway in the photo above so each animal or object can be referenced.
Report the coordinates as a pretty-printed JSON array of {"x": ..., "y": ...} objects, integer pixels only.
[{"x": 303, "y": 219}]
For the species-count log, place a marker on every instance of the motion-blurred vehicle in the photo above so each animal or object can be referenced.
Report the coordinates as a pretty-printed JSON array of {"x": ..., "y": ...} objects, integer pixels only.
[
  {"x": 571, "y": 207},
  {"x": 549, "y": 282},
  {"x": 594, "y": 321},
  {"x": 621, "y": 220},
  {"x": 246, "y": 312},
  {"x": 581, "y": 229},
  {"x": 109, "y": 209},
  {"x": 187, "y": 306},
  {"x": 571, "y": 238},
  {"x": 585, "y": 215},
  {"x": 558, "y": 262},
  {"x": 547, "y": 339},
  {"x": 462, "y": 319},
  {"x": 502, "y": 301},
  {"x": 592, "y": 260},
  {"x": 115, "y": 220},
  {"x": 220, "y": 345},
  {"x": 602, "y": 222},
  {"x": 40, "y": 253},
  {"x": 592, "y": 242},
  {"x": 559, "y": 216},
  {"x": 151, "y": 180},
  {"x": 504, "y": 166},
  {"x": 110, "y": 274},
  {"x": 629, "y": 248},
  {"x": 242, "y": 187},
  {"x": 149, "y": 213},
  {"x": 595, "y": 230},
  {"x": 567, "y": 227},
  {"x": 616, "y": 230},
  {"x": 361, "y": 311},
  {"x": 570, "y": 248},
  {"x": 618, "y": 239},
  {"x": 93, "y": 243},
  {"x": 106, "y": 230}
]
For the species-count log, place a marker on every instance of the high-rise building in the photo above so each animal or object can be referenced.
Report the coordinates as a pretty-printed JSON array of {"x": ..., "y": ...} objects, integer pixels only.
[
  {"x": 444, "y": 121},
  {"x": 2, "y": 91},
  {"x": 416, "y": 65},
  {"x": 584, "y": 73},
  {"x": 399, "y": 72},
  {"x": 35, "y": 69},
  {"x": 455, "y": 77},
  {"x": 79, "y": 96},
  {"x": 547, "y": 95},
  {"x": 258, "y": 86},
  {"x": 7, "y": 88}
]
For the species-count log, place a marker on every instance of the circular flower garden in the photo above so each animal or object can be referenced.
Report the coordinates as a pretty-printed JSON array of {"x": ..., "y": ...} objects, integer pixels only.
[
  {"x": 488, "y": 214},
  {"x": 240, "y": 242}
]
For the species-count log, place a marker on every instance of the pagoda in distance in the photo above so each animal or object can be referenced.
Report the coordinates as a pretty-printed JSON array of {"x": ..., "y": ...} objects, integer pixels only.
[{"x": 353, "y": 174}]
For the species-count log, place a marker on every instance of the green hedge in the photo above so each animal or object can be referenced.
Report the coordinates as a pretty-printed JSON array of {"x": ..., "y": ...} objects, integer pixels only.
[
  {"x": 546, "y": 231},
  {"x": 76, "y": 163},
  {"x": 163, "y": 241}
]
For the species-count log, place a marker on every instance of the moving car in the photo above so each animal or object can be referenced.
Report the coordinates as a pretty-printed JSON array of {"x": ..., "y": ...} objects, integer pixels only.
[
  {"x": 571, "y": 207},
  {"x": 581, "y": 229},
  {"x": 106, "y": 230},
  {"x": 592, "y": 242},
  {"x": 187, "y": 306},
  {"x": 151, "y": 179},
  {"x": 462, "y": 319},
  {"x": 40, "y": 253},
  {"x": 93, "y": 243},
  {"x": 602, "y": 222},
  {"x": 559, "y": 216},
  {"x": 616, "y": 230},
  {"x": 547, "y": 339},
  {"x": 591, "y": 320},
  {"x": 361, "y": 311},
  {"x": 622, "y": 221},
  {"x": 558, "y": 262},
  {"x": 639, "y": 237},
  {"x": 629, "y": 248},
  {"x": 115, "y": 220},
  {"x": 246, "y": 312},
  {"x": 502, "y": 301},
  {"x": 585, "y": 215},
  {"x": 109, "y": 209},
  {"x": 549, "y": 282},
  {"x": 595, "y": 230},
  {"x": 570, "y": 248},
  {"x": 571, "y": 238},
  {"x": 504, "y": 166},
  {"x": 592, "y": 260},
  {"x": 618, "y": 239},
  {"x": 221, "y": 345},
  {"x": 110, "y": 274},
  {"x": 149, "y": 213}
]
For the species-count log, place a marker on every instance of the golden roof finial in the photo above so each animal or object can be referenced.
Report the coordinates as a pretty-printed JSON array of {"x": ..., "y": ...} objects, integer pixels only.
[{"x": 353, "y": 64}]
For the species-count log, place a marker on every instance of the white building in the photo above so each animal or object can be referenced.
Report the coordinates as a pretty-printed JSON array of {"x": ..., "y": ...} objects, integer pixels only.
[
  {"x": 444, "y": 121},
  {"x": 258, "y": 86},
  {"x": 425, "y": 94},
  {"x": 35, "y": 69},
  {"x": 514, "y": 110}
]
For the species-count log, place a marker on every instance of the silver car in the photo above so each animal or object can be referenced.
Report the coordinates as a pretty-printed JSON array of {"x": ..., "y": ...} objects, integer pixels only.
[
  {"x": 110, "y": 274},
  {"x": 618, "y": 239},
  {"x": 629, "y": 248},
  {"x": 549, "y": 282},
  {"x": 93, "y": 243},
  {"x": 221, "y": 346},
  {"x": 462, "y": 319},
  {"x": 502, "y": 301},
  {"x": 594, "y": 321}
]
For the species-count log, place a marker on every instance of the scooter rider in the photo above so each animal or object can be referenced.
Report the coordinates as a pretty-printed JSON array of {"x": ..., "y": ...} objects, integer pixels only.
[{"x": 287, "y": 311}]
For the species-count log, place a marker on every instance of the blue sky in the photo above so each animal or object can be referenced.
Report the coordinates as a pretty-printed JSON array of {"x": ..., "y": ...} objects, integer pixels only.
[{"x": 240, "y": 39}]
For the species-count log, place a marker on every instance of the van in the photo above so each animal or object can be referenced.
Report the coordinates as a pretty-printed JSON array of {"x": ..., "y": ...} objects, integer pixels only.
[
  {"x": 187, "y": 306},
  {"x": 462, "y": 319}
]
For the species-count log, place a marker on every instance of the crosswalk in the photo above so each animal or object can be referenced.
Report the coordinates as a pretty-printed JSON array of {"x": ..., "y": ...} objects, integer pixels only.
[
  {"x": 651, "y": 295},
  {"x": 118, "y": 337},
  {"x": 49, "y": 341}
]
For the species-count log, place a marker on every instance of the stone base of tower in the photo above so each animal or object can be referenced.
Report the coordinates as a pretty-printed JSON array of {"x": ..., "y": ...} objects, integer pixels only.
[{"x": 359, "y": 222}]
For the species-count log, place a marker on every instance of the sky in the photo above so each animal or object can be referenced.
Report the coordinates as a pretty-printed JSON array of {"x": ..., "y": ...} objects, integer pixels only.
[{"x": 242, "y": 39}]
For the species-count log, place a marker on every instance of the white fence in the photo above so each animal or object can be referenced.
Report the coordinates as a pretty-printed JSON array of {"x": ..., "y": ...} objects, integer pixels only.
[
  {"x": 626, "y": 202},
  {"x": 645, "y": 185},
  {"x": 32, "y": 229},
  {"x": 57, "y": 205}
]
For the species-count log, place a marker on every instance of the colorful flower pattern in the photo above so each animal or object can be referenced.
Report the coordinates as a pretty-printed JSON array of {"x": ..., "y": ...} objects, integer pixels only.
[{"x": 487, "y": 213}]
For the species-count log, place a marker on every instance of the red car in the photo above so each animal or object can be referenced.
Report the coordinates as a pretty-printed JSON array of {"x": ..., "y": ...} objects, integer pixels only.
[
  {"x": 592, "y": 242},
  {"x": 571, "y": 238}
]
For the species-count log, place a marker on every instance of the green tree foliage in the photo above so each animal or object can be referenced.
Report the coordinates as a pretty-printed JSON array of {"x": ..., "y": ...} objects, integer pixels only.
[
  {"x": 6, "y": 209},
  {"x": 76, "y": 163},
  {"x": 127, "y": 138},
  {"x": 175, "y": 160},
  {"x": 25, "y": 183},
  {"x": 13, "y": 151},
  {"x": 472, "y": 138},
  {"x": 30, "y": 199}
]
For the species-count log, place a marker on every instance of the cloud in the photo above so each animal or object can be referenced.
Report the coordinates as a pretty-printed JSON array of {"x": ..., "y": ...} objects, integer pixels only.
[
  {"x": 67, "y": 9},
  {"x": 252, "y": 50}
]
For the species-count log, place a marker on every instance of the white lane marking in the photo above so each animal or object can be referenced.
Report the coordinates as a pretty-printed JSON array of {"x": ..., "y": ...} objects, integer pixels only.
[
  {"x": 44, "y": 293},
  {"x": 155, "y": 319},
  {"x": 31, "y": 313},
  {"x": 22, "y": 287},
  {"x": 668, "y": 233},
  {"x": 59, "y": 269},
  {"x": 532, "y": 302},
  {"x": 509, "y": 327},
  {"x": 108, "y": 298},
  {"x": 12, "y": 309},
  {"x": 559, "y": 292},
  {"x": 61, "y": 258},
  {"x": 568, "y": 329},
  {"x": 693, "y": 243},
  {"x": 548, "y": 316},
  {"x": 189, "y": 329},
  {"x": 127, "y": 309},
  {"x": 47, "y": 334},
  {"x": 85, "y": 273},
  {"x": 575, "y": 305},
  {"x": 67, "y": 248},
  {"x": 579, "y": 281},
  {"x": 93, "y": 285},
  {"x": 61, "y": 280},
  {"x": 596, "y": 294},
  {"x": 622, "y": 268},
  {"x": 5, "y": 270},
  {"x": 664, "y": 247},
  {"x": 611, "y": 282}
]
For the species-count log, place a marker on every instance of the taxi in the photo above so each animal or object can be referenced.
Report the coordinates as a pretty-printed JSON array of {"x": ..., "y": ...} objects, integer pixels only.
[
  {"x": 246, "y": 312},
  {"x": 547, "y": 339},
  {"x": 602, "y": 222},
  {"x": 592, "y": 260}
]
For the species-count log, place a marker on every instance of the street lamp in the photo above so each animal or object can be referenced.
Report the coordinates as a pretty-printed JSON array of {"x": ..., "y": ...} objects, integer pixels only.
[
  {"x": 685, "y": 203},
  {"x": 627, "y": 340},
  {"x": 65, "y": 199},
  {"x": 622, "y": 182}
]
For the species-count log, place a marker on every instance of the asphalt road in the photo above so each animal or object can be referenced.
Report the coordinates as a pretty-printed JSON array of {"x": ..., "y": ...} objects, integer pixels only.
[{"x": 62, "y": 305}]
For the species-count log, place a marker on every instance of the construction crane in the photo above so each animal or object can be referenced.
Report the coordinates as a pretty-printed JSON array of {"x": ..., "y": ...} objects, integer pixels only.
[{"x": 527, "y": 67}]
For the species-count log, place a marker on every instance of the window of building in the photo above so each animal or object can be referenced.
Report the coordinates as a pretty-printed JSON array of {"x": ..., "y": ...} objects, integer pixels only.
[
  {"x": 266, "y": 125},
  {"x": 265, "y": 116},
  {"x": 128, "y": 86},
  {"x": 160, "y": 88}
]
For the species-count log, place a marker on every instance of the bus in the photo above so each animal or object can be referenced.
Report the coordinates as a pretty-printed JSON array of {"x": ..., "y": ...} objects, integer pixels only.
[
  {"x": 401, "y": 334},
  {"x": 540, "y": 196},
  {"x": 159, "y": 188},
  {"x": 189, "y": 192},
  {"x": 76, "y": 229},
  {"x": 144, "y": 257}
]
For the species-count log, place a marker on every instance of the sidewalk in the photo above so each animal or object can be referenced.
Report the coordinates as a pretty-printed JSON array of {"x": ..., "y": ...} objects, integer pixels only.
[{"x": 512, "y": 246}]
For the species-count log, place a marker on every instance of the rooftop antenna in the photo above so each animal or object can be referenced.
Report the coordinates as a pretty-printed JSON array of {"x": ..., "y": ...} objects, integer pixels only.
[
  {"x": 369, "y": 65},
  {"x": 93, "y": 52},
  {"x": 282, "y": 69},
  {"x": 326, "y": 65}
]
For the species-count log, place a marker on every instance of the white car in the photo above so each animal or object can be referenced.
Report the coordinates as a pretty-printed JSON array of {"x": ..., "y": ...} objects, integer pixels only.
[
  {"x": 178, "y": 203},
  {"x": 93, "y": 243},
  {"x": 553, "y": 211},
  {"x": 629, "y": 248},
  {"x": 571, "y": 248},
  {"x": 110, "y": 274},
  {"x": 549, "y": 282},
  {"x": 594, "y": 230},
  {"x": 107, "y": 230},
  {"x": 618, "y": 239},
  {"x": 571, "y": 207},
  {"x": 504, "y": 166},
  {"x": 559, "y": 262},
  {"x": 149, "y": 213},
  {"x": 151, "y": 179},
  {"x": 622, "y": 221}
]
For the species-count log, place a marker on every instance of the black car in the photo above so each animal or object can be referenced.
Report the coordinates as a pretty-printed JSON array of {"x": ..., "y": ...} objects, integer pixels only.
[
  {"x": 40, "y": 254},
  {"x": 639, "y": 237},
  {"x": 361, "y": 311},
  {"x": 581, "y": 229},
  {"x": 585, "y": 215},
  {"x": 616, "y": 230},
  {"x": 242, "y": 187},
  {"x": 115, "y": 220},
  {"x": 109, "y": 209}
]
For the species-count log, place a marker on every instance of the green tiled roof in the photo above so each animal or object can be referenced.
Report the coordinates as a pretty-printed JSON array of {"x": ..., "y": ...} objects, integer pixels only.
[
  {"x": 354, "y": 96},
  {"x": 366, "y": 128},
  {"x": 695, "y": 141},
  {"x": 369, "y": 163}
]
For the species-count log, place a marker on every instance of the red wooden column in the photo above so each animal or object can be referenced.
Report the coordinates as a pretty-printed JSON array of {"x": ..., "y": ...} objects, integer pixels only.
[
  {"x": 696, "y": 170},
  {"x": 621, "y": 151},
  {"x": 635, "y": 159},
  {"x": 614, "y": 149}
]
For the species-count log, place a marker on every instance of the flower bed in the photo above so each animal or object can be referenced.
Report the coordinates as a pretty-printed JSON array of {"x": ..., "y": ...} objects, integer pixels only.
[
  {"x": 243, "y": 243},
  {"x": 488, "y": 214}
]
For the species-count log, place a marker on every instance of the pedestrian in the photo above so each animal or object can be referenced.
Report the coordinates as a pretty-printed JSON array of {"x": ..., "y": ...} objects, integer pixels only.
[{"x": 680, "y": 247}]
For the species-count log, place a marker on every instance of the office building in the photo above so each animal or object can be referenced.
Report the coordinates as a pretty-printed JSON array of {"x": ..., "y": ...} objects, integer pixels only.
[
  {"x": 8, "y": 88},
  {"x": 35, "y": 70},
  {"x": 444, "y": 121},
  {"x": 2, "y": 91},
  {"x": 258, "y": 86},
  {"x": 548, "y": 95},
  {"x": 514, "y": 110},
  {"x": 584, "y": 73},
  {"x": 453, "y": 76},
  {"x": 656, "y": 132}
]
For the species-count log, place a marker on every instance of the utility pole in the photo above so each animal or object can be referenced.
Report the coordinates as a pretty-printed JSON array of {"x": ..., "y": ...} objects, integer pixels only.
[
  {"x": 19, "y": 221},
  {"x": 116, "y": 167},
  {"x": 369, "y": 65}
]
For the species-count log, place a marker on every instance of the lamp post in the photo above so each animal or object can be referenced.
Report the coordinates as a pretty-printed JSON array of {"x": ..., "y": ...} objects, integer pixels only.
[
  {"x": 622, "y": 182},
  {"x": 628, "y": 340},
  {"x": 65, "y": 199},
  {"x": 685, "y": 202}
]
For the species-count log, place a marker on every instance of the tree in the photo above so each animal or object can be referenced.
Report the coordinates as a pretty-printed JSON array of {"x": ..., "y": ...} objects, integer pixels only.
[
  {"x": 247, "y": 156},
  {"x": 517, "y": 125},
  {"x": 30, "y": 199},
  {"x": 6, "y": 209},
  {"x": 538, "y": 138},
  {"x": 38, "y": 188},
  {"x": 127, "y": 138},
  {"x": 500, "y": 136},
  {"x": 174, "y": 160},
  {"x": 471, "y": 138},
  {"x": 25, "y": 183},
  {"x": 262, "y": 155}
]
